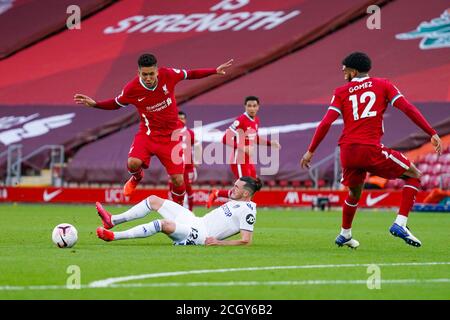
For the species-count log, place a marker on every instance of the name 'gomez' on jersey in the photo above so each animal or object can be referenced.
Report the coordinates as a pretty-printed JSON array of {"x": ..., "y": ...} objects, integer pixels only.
[
  {"x": 362, "y": 103},
  {"x": 157, "y": 106}
]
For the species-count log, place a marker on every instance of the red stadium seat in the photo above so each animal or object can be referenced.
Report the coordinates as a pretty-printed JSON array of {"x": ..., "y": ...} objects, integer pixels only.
[
  {"x": 431, "y": 158},
  {"x": 283, "y": 183},
  {"x": 445, "y": 159},
  {"x": 423, "y": 167},
  {"x": 308, "y": 184},
  {"x": 436, "y": 169},
  {"x": 296, "y": 184}
]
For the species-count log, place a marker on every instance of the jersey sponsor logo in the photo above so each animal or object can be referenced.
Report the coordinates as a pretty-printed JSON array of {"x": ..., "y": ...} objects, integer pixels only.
[
  {"x": 250, "y": 219},
  {"x": 371, "y": 201},
  {"x": 434, "y": 34},
  {"x": 35, "y": 128},
  {"x": 49, "y": 196},
  {"x": 226, "y": 210}
]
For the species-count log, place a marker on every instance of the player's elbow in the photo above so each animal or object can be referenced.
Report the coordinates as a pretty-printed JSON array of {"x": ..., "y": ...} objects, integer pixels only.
[{"x": 246, "y": 242}]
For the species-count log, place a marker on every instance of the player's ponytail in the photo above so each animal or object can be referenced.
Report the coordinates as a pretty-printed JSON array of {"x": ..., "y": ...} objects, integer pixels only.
[{"x": 252, "y": 184}]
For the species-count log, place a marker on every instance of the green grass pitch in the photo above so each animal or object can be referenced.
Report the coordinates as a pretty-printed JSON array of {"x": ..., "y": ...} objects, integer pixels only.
[{"x": 293, "y": 257}]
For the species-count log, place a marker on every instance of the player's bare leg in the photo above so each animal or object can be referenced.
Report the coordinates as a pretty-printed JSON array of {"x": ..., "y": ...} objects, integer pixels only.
[
  {"x": 348, "y": 213},
  {"x": 410, "y": 189},
  {"x": 135, "y": 169},
  {"x": 178, "y": 188}
]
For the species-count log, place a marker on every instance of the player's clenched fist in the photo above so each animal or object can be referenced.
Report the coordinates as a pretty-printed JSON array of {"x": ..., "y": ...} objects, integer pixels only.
[{"x": 305, "y": 162}]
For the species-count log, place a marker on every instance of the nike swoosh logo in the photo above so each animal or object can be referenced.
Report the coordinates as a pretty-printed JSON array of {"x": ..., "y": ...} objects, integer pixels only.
[
  {"x": 141, "y": 99},
  {"x": 49, "y": 196},
  {"x": 371, "y": 201}
]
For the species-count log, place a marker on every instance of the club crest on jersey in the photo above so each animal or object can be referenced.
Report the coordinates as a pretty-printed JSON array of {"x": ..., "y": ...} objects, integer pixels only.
[
  {"x": 250, "y": 219},
  {"x": 166, "y": 92}
]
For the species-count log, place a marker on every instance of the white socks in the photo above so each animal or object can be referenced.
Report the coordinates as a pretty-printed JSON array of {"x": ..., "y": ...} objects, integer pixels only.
[
  {"x": 141, "y": 231},
  {"x": 401, "y": 220},
  {"x": 347, "y": 233},
  {"x": 138, "y": 211}
]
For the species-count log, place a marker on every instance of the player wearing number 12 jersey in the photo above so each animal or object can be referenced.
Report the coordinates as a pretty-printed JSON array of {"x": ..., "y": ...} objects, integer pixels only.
[
  {"x": 362, "y": 103},
  {"x": 152, "y": 93}
]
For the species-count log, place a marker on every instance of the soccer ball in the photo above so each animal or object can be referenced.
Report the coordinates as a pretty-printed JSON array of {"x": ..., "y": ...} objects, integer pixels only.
[{"x": 65, "y": 235}]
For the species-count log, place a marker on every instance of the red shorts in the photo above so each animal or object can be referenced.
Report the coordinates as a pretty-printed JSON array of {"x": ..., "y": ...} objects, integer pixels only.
[
  {"x": 358, "y": 159},
  {"x": 242, "y": 170},
  {"x": 169, "y": 152}
]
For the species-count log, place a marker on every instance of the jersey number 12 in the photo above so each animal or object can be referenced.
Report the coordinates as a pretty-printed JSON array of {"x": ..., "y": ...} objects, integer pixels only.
[{"x": 362, "y": 99}]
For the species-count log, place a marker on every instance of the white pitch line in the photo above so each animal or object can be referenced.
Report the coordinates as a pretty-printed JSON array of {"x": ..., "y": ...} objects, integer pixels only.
[
  {"x": 111, "y": 281},
  {"x": 229, "y": 284}
]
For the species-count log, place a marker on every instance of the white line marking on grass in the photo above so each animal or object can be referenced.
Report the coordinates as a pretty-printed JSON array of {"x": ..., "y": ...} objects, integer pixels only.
[
  {"x": 111, "y": 281},
  {"x": 114, "y": 282},
  {"x": 229, "y": 284}
]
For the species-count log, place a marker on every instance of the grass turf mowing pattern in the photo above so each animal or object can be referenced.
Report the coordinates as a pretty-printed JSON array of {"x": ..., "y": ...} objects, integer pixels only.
[{"x": 282, "y": 238}]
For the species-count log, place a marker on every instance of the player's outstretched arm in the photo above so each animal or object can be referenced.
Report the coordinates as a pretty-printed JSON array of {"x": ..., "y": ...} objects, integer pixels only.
[
  {"x": 83, "y": 99},
  {"x": 416, "y": 116},
  {"x": 246, "y": 239},
  {"x": 221, "y": 69},
  {"x": 202, "y": 73},
  {"x": 88, "y": 101},
  {"x": 436, "y": 142}
]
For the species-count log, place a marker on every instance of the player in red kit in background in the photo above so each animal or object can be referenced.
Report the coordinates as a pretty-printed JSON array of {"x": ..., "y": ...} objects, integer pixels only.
[
  {"x": 152, "y": 93},
  {"x": 362, "y": 103},
  {"x": 242, "y": 136},
  {"x": 190, "y": 169}
]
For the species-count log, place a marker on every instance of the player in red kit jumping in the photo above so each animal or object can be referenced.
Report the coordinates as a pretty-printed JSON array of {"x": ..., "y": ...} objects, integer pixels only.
[
  {"x": 242, "y": 136},
  {"x": 152, "y": 93},
  {"x": 362, "y": 103}
]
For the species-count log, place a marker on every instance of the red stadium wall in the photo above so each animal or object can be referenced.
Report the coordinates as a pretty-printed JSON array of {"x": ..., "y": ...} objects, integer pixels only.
[{"x": 288, "y": 198}]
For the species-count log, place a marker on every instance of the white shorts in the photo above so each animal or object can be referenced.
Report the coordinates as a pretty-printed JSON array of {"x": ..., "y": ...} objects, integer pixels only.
[{"x": 190, "y": 230}]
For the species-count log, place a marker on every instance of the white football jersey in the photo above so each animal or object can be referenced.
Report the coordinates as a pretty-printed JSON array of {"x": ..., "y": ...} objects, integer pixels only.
[{"x": 230, "y": 218}]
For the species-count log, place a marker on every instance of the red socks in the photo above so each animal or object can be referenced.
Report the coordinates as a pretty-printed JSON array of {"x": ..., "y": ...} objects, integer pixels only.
[
  {"x": 409, "y": 192},
  {"x": 178, "y": 193},
  {"x": 348, "y": 211},
  {"x": 138, "y": 175},
  {"x": 190, "y": 195}
]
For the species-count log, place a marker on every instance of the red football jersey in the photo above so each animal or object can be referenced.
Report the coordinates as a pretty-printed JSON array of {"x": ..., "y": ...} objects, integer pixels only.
[
  {"x": 362, "y": 103},
  {"x": 245, "y": 128},
  {"x": 157, "y": 106},
  {"x": 188, "y": 140}
]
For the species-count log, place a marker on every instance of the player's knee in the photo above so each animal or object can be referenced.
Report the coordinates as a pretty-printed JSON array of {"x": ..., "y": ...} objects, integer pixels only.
[
  {"x": 413, "y": 182},
  {"x": 355, "y": 193},
  {"x": 155, "y": 202},
  {"x": 167, "y": 226},
  {"x": 177, "y": 180},
  {"x": 134, "y": 164}
]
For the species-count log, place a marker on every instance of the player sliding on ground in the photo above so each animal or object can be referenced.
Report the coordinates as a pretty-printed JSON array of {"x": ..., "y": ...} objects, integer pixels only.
[
  {"x": 152, "y": 93},
  {"x": 362, "y": 103},
  {"x": 183, "y": 227}
]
